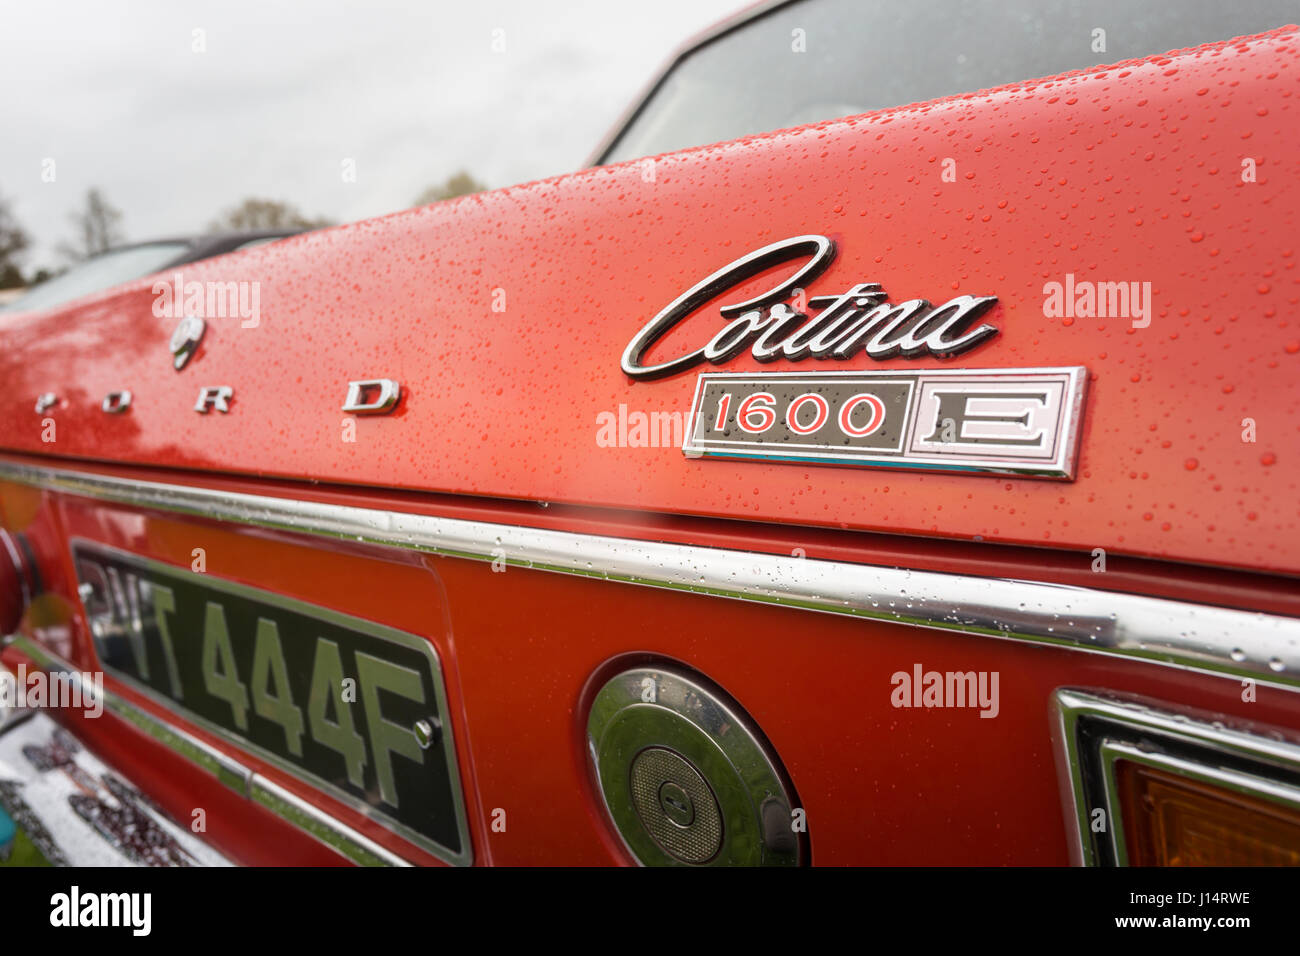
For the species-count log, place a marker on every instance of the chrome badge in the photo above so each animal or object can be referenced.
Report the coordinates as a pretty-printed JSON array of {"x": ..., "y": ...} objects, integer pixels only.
[
  {"x": 372, "y": 396},
  {"x": 861, "y": 320},
  {"x": 185, "y": 340},
  {"x": 115, "y": 403},
  {"x": 214, "y": 396},
  {"x": 993, "y": 421}
]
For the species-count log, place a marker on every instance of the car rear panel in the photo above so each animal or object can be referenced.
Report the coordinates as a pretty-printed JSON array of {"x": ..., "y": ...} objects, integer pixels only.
[
  {"x": 504, "y": 316},
  {"x": 1127, "y": 173}
]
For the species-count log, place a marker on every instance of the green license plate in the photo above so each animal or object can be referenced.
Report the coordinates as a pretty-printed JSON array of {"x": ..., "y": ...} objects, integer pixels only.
[{"x": 354, "y": 708}]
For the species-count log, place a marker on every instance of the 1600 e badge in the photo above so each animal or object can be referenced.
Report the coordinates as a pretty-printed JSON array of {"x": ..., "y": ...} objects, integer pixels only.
[{"x": 997, "y": 421}]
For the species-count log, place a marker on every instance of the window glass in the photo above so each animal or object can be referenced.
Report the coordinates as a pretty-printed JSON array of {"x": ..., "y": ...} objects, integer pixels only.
[
  {"x": 101, "y": 272},
  {"x": 862, "y": 55}
]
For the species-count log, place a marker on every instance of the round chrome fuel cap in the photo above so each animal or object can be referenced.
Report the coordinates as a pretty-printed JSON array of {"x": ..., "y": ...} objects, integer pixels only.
[{"x": 686, "y": 777}]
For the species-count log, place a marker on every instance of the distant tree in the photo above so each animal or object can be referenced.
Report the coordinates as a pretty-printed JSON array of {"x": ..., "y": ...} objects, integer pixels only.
[
  {"x": 265, "y": 214},
  {"x": 13, "y": 240},
  {"x": 459, "y": 184},
  {"x": 97, "y": 228}
]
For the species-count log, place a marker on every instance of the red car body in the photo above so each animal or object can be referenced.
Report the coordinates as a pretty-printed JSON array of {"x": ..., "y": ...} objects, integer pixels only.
[{"x": 504, "y": 315}]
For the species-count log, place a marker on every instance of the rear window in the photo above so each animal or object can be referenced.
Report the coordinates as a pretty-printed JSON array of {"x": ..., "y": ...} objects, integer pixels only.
[
  {"x": 102, "y": 272},
  {"x": 863, "y": 55}
]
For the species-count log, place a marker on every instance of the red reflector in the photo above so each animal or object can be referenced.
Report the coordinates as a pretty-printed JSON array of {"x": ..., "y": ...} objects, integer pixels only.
[{"x": 15, "y": 584}]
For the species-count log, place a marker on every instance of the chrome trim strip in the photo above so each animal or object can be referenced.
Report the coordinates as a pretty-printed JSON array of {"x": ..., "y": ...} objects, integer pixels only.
[
  {"x": 1178, "y": 730},
  {"x": 313, "y": 821},
  {"x": 1214, "y": 640}
]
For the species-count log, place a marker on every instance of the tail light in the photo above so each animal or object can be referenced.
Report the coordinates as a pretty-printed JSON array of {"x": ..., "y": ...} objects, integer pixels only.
[
  {"x": 18, "y": 581},
  {"x": 1146, "y": 786},
  {"x": 1173, "y": 820}
]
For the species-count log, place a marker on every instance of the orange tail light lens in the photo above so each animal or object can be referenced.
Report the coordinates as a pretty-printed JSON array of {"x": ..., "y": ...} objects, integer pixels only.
[{"x": 1171, "y": 820}]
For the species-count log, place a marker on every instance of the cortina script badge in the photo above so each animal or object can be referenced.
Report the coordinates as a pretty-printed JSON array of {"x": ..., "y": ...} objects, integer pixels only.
[{"x": 993, "y": 421}]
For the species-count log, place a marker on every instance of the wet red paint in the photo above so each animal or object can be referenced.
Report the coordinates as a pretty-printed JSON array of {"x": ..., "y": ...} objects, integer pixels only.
[{"x": 1120, "y": 185}]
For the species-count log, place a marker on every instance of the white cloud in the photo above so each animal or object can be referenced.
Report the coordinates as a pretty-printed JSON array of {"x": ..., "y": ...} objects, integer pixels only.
[{"x": 412, "y": 91}]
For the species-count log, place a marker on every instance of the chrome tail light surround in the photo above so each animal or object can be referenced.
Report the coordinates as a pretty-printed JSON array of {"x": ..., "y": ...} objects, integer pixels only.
[{"x": 1093, "y": 733}]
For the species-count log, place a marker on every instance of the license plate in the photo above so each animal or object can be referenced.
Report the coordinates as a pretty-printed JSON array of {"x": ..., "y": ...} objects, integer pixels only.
[{"x": 354, "y": 708}]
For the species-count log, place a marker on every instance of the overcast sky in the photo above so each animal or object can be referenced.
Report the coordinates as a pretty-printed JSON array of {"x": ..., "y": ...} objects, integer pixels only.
[{"x": 116, "y": 94}]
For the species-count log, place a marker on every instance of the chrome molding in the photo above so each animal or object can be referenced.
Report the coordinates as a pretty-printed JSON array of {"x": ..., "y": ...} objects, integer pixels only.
[
  {"x": 1222, "y": 641},
  {"x": 1123, "y": 729},
  {"x": 308, "y": 818}
]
